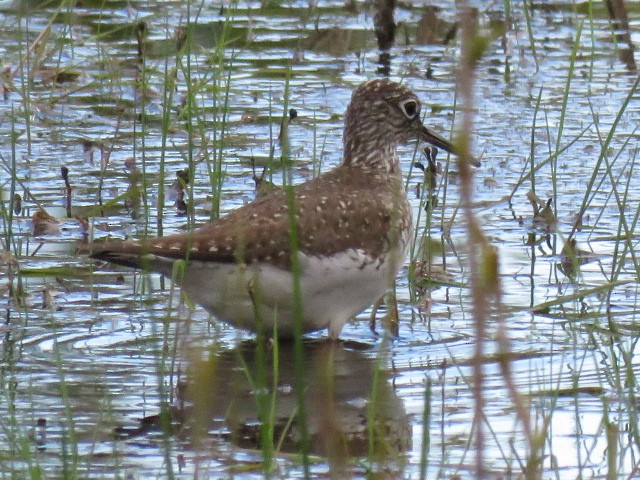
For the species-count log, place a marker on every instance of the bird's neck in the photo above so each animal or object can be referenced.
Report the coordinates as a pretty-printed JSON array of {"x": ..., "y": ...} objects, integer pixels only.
[{"x": 371, "y": 155}]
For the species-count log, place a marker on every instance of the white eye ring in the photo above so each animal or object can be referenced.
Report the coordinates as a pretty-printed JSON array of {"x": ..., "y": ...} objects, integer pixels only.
[{"x": 410, "y": 108}]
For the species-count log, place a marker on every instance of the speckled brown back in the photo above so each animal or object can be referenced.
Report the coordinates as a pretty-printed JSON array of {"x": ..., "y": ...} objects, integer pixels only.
[{"x": 338, "y": 211}]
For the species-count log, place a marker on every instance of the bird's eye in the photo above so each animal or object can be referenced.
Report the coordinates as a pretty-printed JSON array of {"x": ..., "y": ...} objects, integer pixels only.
[{"x": 410, "y": 108}]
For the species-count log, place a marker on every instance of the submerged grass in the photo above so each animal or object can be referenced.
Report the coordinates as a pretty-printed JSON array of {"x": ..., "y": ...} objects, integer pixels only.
[{"x": 7, "y": 209}]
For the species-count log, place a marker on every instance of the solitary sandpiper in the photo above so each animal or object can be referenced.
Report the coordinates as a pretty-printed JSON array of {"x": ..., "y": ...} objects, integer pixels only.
[{"x": 352, "y": 227}]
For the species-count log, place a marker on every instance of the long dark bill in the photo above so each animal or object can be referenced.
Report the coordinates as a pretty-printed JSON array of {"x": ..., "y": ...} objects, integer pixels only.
[{"x": 436, "y": 140}]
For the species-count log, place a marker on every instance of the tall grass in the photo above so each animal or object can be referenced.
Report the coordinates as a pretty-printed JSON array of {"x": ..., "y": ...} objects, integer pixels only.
[
  {"x": 478, "y": 243},
  {"x": 296, "y": 270}
]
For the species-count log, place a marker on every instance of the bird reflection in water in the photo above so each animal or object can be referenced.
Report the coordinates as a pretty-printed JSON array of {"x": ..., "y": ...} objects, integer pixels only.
[{"x": 237, "y": 396}]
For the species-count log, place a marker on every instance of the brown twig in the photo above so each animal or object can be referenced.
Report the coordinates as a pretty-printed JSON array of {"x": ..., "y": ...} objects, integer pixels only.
[
  {"x": 65, "y": 176},
  {"x": 477, "y": 240}
]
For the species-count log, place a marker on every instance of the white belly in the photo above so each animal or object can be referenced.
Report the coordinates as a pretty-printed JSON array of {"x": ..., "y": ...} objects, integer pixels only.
[{"x": 333, "y": 290}]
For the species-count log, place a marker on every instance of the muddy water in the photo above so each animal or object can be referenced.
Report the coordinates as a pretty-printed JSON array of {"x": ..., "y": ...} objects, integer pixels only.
[{"x": 98, "y": 362}]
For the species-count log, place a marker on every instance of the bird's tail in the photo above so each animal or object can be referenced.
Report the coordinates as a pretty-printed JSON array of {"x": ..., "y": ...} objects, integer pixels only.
[{"x": 123, "y": 253}]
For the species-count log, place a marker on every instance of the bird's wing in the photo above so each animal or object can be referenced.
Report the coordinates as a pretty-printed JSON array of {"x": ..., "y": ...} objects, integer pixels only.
[{"x": 260, "y": 231}]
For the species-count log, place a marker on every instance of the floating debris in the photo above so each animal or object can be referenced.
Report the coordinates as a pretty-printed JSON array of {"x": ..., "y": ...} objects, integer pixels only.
[
  {"x": 543, "y": 216},
  {"x": 17, "y": 203},
  {"x": 44, "y": 224}
]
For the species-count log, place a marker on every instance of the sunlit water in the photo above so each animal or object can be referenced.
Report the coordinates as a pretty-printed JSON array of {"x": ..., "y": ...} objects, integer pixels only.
[{"x": 89, "y": 352}]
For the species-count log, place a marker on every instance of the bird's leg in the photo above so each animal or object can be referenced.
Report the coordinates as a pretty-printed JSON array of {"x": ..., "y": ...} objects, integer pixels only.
[
  {"x": 372, "y": 317},
  {"x": 391, "y": 320}
]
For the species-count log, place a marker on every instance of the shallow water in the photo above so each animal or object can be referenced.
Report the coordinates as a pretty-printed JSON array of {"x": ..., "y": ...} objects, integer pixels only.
[{"x": 92, "y": 354}]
